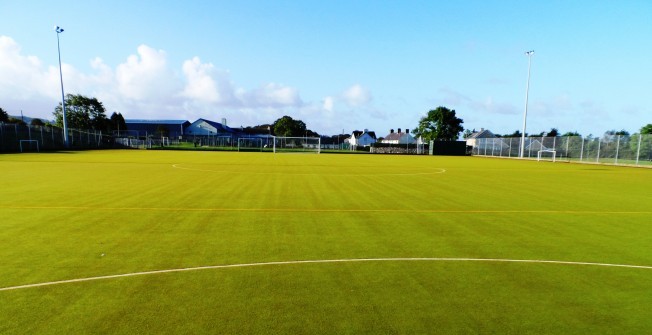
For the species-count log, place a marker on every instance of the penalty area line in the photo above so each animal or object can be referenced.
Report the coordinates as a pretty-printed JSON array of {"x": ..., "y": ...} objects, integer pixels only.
[{"x": 351, "y": 260}]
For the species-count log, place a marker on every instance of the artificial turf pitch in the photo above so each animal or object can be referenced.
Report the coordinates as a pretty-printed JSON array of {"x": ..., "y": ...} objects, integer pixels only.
[{"x": 101, "y": 213}]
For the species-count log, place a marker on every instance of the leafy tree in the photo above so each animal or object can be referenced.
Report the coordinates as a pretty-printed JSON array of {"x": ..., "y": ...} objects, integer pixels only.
[
  {"x": 553, "y": 132},
  {"x": 571, "y": 133},
  {"x": 647, "y": 129},
  {"x": 82, "y": 113},
  {"x": 4, "y": 116},
  {"x": 439, "y": 124},
  {"x": 467, "y": 133},
  {"x": 117, "y": 122},
  {"x": 17, "y": 121},
  {"x": 516, "y": 133},
  {"x": 37, "y": 122},
  {"x": 286, "y": 126}
]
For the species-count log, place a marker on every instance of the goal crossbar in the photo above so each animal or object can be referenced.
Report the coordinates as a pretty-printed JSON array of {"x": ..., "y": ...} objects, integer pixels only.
[{"x": 553, "y": 152}]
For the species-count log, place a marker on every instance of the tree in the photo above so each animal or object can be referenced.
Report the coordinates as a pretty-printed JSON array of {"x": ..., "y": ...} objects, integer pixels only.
[
  {"x": 553, "y": 132},
  {"x": 4, "y": 116},
  {"x": 647, "y": 129},
  {"x": 37, "y": 122},
  {"x": 117, "y": 122},
  {"x": 439, "y": 124},
  {"x": 516, "y": 133},
  {"x": 288, "y": 127},
  {"x": 467, "y": 133},
  {"x": 82, "y": 113},
  {"x": 571, "y": 133},
  {"x": 16, "y": 121}
]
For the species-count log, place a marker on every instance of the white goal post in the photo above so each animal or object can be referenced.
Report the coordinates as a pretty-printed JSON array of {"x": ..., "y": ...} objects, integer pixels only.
[
  {"x": 250, "y": 144},
  {"x": 30, "y": 146},
  {"x": 553, "y": 152},
  {"x": 297, "y": 144}
]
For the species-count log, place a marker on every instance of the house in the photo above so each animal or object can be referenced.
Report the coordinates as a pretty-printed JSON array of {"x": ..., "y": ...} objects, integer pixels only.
[
  {"x": 399, "y": 137},
  {"x": 203, "y": 127},
  {"x": 140, "y": 127},
  {"x": 484, "y": 141},
  {"x": 362, "y": 138}
]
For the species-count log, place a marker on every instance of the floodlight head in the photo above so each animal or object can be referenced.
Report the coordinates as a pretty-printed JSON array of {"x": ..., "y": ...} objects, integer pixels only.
[
  {"x": 58, "y": 29},
  {"x": 530, "y": 53}
]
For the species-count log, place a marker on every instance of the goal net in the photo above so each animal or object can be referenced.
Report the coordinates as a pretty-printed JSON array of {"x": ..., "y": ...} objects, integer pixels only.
[
  {"x": 250, "y": 144},
  {"x": 550, "y": 155},
  {"x": 297, "y": 144}
]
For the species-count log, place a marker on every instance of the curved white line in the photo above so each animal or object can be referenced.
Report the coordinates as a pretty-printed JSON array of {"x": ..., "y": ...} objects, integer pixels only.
[
  {"x": 133, "y": 274},
  {"x": 439, "y": 171}
]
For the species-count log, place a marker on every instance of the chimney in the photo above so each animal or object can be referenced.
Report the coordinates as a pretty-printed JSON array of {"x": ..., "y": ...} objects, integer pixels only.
[
  {"x": 391, "y": 131},
  {"x": 366, "y": 130},
  {"x": 407, "y": 130},
  {"x": 399, "y": 130}
]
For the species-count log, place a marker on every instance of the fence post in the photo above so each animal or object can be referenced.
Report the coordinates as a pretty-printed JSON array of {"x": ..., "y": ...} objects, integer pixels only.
[
  {"x": 597, "y": 157},
  {"x": 617, "y": 149},
  {"x": 582, "y": 149},
  {"x": 638, "y": 149}
]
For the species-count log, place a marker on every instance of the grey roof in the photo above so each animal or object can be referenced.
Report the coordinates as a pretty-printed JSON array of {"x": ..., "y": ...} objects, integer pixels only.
[
  {"x": 485, "y": 133},
  {"x": 393, "y": 136},
  {"x": 157, "y": 122},
  {"x": 220, "y": 127}
]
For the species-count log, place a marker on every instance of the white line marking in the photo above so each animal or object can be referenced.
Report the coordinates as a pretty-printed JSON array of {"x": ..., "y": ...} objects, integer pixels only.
[{"x": 133, "y": 274}]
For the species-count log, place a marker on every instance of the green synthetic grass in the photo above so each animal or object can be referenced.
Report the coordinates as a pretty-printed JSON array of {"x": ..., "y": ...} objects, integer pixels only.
[{"x": 98, "y": 213}]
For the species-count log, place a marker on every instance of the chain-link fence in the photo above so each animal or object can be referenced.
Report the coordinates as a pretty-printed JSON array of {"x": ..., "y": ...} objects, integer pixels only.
[
  {"x": 609, "y": 149},
  {"x": 21, "y": 138}
]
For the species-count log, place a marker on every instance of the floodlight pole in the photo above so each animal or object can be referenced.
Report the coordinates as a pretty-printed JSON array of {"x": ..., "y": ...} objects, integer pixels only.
[
  {"x": 59, "y": 30},
  {"x": 527, "y": 90}
]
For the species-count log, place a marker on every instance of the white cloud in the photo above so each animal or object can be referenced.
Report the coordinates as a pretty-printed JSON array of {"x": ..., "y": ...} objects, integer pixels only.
[
  {"x": 146, "y": 85},
  {"x": 271, "y": 95},
  {"x": 203, "y": 83},
  {"x": 23, "y": 77},
  {"x": 328, "y": 104},
  {"x": 356, "y": 96},
  {"x": 146, "y": 75}
]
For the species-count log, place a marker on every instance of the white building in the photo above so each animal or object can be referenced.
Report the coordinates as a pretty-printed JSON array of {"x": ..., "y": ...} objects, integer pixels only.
[
  {"x": 399, "y": 137},
  {"x": 362, "y": 138}
]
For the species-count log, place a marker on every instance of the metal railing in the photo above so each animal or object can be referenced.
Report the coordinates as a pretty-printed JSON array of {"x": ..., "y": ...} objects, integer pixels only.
[{"x": 609, "y": 149}]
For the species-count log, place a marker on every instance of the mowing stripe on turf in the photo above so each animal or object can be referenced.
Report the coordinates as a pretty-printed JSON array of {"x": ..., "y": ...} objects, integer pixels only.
[
  {"x": 325, "y": 210},
  {"x": 366, "y": 174},
  {"x": 133, "y": 274}
]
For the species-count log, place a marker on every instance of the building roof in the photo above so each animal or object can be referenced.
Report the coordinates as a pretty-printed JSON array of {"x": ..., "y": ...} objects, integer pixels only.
[
  {"x": 358, "y": 133},
  {"x": 393, "y": 136},
  {"x": 220, "y": 127},
  {"x": 157, "y": 122},
  {"x": 483, "y": 133}
]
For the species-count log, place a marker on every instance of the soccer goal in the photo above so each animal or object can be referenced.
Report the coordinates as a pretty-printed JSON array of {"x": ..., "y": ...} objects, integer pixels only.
[
  {"x": 29, "y": 144},
  {"x": 547, "y": 155},
  {"x": 297, "y": 144},
  {"x": 250, "y": 144}
]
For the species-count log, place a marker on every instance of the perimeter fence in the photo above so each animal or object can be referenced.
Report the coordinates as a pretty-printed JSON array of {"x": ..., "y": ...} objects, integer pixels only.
[
  {"x": 610, "y": 149},
  {"x": 21, "y": 138}
]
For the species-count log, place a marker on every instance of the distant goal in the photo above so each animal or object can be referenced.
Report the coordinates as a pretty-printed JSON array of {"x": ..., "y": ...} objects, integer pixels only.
[
  {"x": 297, "y": 144},
  {"x": 549, "y": 155},
  {"x": 250, "y": 144},
  {"x": 31, "y": 145}
]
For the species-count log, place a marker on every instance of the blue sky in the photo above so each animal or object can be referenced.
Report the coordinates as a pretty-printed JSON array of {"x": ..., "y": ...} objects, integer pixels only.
[{"x": 337, "y": 65}]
